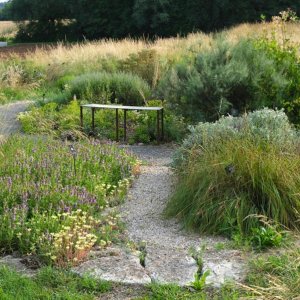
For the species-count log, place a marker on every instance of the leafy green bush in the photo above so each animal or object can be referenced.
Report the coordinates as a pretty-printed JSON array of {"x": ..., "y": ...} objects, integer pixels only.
[
  {"x": 224, "y": 78},
  {"x": 123, "y": 88},
  {"x": 59, "y": 121},
  {"x": 287, "y": 59},
  {"x": 264, "y": 237},
  {"x": 238, "y": 169}
]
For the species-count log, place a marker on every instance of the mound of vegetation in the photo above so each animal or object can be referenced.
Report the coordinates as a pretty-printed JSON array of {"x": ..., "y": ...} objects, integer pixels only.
[
  {"x": 123, "y": 88},
  {"x": 247, "y": 75},
  {"x": 236, "y": 171}
]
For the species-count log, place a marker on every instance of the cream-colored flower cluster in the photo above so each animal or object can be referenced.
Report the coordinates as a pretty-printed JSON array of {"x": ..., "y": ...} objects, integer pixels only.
[{"x": 74, "y": 241}]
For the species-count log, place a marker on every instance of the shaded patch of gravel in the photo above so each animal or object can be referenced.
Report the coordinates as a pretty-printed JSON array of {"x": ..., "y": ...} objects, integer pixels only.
[{"x": 8, "y": 117}]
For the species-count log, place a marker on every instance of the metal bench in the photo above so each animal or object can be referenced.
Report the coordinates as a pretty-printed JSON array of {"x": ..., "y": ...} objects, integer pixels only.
[{"x": 159, "y": 118}]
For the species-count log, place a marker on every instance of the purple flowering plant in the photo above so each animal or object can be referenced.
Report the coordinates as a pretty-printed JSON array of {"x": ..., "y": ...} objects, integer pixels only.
[{"x": 38, "y": 185}]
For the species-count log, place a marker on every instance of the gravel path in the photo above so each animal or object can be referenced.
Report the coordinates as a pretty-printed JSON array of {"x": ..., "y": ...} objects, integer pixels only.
[
  {"x": 8, "y": 117},
  {"x": 166, "y": 241},
  {"x": 168, "y": 258}
]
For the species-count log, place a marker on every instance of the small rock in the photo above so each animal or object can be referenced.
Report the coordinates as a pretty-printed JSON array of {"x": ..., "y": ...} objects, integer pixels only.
[{"x": 16, "y": 264}]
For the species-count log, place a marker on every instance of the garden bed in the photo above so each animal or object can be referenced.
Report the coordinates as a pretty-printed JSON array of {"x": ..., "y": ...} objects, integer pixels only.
[{"x": 52, "y": 195}]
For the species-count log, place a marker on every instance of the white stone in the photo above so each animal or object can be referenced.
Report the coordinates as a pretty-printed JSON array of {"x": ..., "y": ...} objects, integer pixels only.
[
  {"x": 3, "y": 44},
  {"x": 169, "y": 265},
  {"x": 222, "y": 270}
]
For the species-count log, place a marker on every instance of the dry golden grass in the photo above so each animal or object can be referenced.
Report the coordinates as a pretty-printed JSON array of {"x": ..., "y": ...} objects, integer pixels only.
[
  {"x": 8, "y": 29},
  {"x": 170, "y": 48},
  {"x": 93, "y": 51},
  {"x": 291, "y": 30}
]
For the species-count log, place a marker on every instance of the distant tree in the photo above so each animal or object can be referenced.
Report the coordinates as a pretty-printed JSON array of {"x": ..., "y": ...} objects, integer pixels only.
[
  {"x": 46, "y": 18},
  {"x": 103, "y": 18},
  {"x": 151, "y": 17},
  {"x": 93, "y": 19}
]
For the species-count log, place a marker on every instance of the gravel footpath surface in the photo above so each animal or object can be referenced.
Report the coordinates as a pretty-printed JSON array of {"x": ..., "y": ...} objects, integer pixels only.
[
  {"x": 8, "y": 117},
  {"x": 167, "y": 244}
]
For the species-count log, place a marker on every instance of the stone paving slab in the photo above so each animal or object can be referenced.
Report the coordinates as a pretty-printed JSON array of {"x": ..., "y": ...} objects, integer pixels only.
[
  {"x": 16, "y": 264},
  {"x": 169, "y": 265},
  {"x": 122, "y": 267},
  {"x": 222, "y": 268}
]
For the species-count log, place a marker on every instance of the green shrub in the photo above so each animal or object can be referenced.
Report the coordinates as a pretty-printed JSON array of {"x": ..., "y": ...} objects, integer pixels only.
[
  {"x": 233, "y": 172},
  {"x": 287, "y": 60},
  {"x": 123, "y": 88},
  {"x": 222, "y": 79},
  {"x": 266, "y": 124},
  {"x": 264, "y": 237}
]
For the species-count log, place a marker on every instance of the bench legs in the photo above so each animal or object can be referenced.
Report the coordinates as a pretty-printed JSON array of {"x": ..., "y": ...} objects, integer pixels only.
[
  {"x": 117, "y": 125},
  {"x": 160, "y": 121},
  {"x": 125, "y": 126},
  {"x": 81, "y": 117},
  {"x": 93, "y": 120}
]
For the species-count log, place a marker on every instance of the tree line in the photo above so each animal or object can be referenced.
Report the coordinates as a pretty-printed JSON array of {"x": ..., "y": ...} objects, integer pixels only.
[{"x": 89, "y": 19}]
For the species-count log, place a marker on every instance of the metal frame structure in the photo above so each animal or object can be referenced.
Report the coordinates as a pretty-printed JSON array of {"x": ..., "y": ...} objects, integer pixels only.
[{"x": 159, "y": 118}]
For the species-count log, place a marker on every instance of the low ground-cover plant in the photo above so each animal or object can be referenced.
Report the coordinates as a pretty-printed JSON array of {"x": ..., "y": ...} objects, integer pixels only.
[
  {"x": 49, "y": 284},
  {"x": 275, "y": 277},
  {"x": 52, "y": 195},
  {"x": 235, "y": 170}
]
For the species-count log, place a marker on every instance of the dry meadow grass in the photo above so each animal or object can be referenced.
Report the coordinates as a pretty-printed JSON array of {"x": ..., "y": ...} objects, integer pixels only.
[
  {"x": 77, "y": 58},
  {"x": 8, "y": 29},
  {"x": 170, "y": 48}
]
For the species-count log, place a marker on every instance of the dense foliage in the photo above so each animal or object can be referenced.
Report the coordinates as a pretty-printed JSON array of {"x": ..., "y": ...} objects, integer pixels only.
[
  {"x": 236, "y": 171},
  {"x": 134, "y": 17},
  {"x": 233, "y": 78},
  {"x": 52, "y": 195}
]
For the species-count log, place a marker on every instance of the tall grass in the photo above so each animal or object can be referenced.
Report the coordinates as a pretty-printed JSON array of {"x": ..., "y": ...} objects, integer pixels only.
[
  {"x": 8, "y": 29},
  {"x": 166, "y": 47},
  {"x": 230, "y": 179}
]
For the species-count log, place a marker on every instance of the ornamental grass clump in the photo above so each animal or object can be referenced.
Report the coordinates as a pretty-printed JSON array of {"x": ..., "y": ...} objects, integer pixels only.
[{"x": 236, "y": 170}]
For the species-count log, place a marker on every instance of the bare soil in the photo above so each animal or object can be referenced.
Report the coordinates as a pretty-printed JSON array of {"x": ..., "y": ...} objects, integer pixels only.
[{"x": 22, "y": 50}]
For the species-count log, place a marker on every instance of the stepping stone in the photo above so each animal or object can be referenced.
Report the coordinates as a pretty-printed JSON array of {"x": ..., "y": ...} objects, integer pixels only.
[
  {"x": 120, "y": 267},
  {"x": 170, "y": 265},
  {"x": 16, "y": 264},
  {"x": 221, "y": 269}
]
